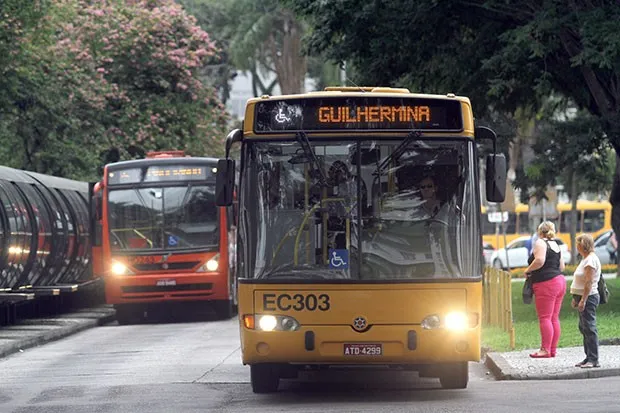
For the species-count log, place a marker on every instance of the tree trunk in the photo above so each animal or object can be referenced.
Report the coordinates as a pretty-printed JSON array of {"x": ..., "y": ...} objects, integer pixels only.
[
  {"x": 573, "y": 214},
  {"x": 290, "y": 64}
]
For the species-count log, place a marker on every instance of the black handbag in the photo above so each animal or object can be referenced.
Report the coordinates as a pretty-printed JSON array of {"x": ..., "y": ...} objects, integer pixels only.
[
  {"x": 528, "y": 291},
  {"x": 603, "y": 292}
]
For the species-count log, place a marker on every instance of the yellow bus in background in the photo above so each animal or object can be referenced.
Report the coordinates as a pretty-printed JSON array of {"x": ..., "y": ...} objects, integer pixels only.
[
  {"x": 516, "y": 226},
  {"x": 593, "y": 217},
  {"x": 341, "y": 261}
]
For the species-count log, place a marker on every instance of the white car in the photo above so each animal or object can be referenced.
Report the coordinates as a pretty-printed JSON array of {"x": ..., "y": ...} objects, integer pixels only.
[
  {"x": 600, "y": 247},
  {"x": 516, "y": 253}
]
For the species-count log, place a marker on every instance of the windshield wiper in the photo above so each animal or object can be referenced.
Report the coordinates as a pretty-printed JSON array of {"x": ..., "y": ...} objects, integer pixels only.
[
  {"x": 302, "y": 138},
  {"x": 152, "y": 219},
  {"x": 398, "y": 151},
  {"x": 292, "y": 271}
]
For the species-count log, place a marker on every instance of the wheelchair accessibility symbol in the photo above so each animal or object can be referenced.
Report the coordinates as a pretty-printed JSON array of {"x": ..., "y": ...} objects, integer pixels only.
[
  {"x": 281, "y": 117},
  {"x": 339, "y": 259}
]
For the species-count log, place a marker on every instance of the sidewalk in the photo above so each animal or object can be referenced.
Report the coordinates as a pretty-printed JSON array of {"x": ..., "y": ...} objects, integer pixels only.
[
  {"x": 36, "y": 331},
  {"x": 518, "y": 365}
]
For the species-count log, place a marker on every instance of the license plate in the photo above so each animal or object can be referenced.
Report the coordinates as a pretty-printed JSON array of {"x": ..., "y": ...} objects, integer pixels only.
[
  {"x": 165, "y": 283},
  {"x": 357, "y": 349}
]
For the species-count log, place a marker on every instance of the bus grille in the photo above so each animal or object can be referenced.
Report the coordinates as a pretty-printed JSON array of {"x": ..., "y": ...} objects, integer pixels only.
[
  {"x": 171, "y": 266},
  {"x": 135, "y": 289}
]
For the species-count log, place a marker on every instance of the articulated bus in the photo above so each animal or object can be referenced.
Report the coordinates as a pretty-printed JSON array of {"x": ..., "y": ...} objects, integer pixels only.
[
  {"x": 162, "y": 237},
  {"x": 593, "y": 217},
  {"x": 340, "y": 262}
]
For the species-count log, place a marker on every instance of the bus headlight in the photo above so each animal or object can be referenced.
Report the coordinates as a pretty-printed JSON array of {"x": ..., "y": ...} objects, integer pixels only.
[
  {"x": 431, "y": 322},
  {"x": 118, "y": 268},
  {"x": 268, "y": 322},
  {"x": 456, "y": 321},
  {"x": 210, "y": 265}
]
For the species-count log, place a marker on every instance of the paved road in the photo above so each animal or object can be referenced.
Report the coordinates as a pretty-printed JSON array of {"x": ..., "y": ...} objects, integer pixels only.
[{"x": 195, "y": 367}]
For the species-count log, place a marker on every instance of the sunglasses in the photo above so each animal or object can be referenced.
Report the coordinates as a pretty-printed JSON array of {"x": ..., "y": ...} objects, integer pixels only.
[{"x": 427, "y": 186}]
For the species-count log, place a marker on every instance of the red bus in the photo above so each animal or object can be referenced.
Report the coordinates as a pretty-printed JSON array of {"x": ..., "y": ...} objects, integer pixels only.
[{"x": 163, "y": 239}]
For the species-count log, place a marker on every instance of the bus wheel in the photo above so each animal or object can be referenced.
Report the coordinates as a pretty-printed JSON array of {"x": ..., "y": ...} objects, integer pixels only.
[
  {"x": 455, "y": 376},
  {"x": 125, "y": 315},
  {"x": 265, "y": 378},
  {"x": 224, "y": 309}
]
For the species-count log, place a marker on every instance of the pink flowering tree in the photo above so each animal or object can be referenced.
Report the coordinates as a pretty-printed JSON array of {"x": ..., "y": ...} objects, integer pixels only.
[{"x": 130, "y": 68}]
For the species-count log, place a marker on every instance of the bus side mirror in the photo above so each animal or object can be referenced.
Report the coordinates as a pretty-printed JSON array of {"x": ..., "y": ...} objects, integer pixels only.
[
  {"x": 224, "y": 182},
  {"x": 496, "y": 178}
]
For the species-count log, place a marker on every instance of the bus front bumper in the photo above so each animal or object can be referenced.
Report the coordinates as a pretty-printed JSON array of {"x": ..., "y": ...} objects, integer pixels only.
[
  {"x": 384, "y": 344},
  {"x": 155, "y": 288}
]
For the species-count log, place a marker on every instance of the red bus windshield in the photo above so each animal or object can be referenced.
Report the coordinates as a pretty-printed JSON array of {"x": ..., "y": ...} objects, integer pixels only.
[{"x": 170, "y": 218}]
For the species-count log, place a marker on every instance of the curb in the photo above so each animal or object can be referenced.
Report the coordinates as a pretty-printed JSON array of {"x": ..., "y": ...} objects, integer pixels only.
[
  {"x": 502, "y": 370},
  {"x": 67, "y": 324}
]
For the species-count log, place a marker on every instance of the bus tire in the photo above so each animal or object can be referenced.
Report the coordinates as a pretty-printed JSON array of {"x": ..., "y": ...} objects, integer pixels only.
[
  {"x": 224, "y": 309},
  {"x": 265, "y": 378},
  {"x": 125, "y": 315},
  {"x": 455, "y": 376}
]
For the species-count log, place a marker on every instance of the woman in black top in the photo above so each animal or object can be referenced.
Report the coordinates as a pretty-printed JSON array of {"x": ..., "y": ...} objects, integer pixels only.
[{"x": 545, "y": 270}]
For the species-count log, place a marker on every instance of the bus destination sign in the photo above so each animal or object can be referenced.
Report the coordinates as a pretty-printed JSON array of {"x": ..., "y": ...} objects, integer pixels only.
[
  {"x": 358, "y": 113},
  {"x": 163, "y": 173}
]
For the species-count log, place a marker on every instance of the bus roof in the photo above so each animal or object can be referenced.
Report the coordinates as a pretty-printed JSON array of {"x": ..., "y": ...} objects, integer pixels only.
[
  {"x": 583, "y": 204},
  {"x": 347, "y": 91},
  {"x": 522, "y": 207},
  {"x": 141, "y": 163}
]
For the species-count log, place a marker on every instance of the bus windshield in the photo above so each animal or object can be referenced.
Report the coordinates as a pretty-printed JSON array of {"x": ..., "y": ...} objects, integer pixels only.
[
  {"x": 163, "y": 218},
  {"x": 361, "y": 209}
]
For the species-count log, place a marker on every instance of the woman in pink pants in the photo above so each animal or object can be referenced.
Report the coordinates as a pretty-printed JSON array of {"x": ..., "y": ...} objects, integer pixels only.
[{"x": 545, "y": 270}]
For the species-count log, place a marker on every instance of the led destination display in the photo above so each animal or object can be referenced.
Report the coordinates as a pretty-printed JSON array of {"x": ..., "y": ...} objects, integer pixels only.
[{"x": 357, "y": 113}]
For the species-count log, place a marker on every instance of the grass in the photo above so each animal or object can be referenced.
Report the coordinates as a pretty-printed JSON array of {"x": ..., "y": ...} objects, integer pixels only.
[{"x": 527, "y": 333}]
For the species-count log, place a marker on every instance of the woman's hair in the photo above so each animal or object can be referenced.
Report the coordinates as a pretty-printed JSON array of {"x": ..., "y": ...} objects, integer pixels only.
[
  {"x": 546, "y": 229},
  {"x": 586, "y": 241}
]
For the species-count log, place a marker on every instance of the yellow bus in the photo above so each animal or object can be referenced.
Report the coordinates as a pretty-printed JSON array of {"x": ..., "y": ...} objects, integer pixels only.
[
  {"x": 340, "y": 262},
  {"x": 516, "y": 226},
  {"x": 593, "y": 217}
]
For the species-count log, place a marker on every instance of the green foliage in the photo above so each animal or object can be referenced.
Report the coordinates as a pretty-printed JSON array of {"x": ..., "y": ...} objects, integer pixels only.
[
  {"x": 108, "y": 80},
  {"x": 527, "y": 333},
  {"x": 261, "y": 37},
  {"x": 568, "y": 149},
  {"x": 504, "y": 55},
  {"x": 215, "y": 17}
]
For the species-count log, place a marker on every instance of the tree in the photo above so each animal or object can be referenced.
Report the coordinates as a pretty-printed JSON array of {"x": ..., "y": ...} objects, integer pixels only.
[
  {"x": 262, "y": 38},
  {"x": 504, "y": 55},
  {"x": 219, "y": 20},
  {"x": 572, "y": 152},
  {"x": 115, "y": 78}
]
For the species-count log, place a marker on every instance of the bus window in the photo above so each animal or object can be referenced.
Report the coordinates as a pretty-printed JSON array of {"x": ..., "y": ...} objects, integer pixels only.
[
  {"x": 488, "y": 228},
  {"x": 593, "y": 220},
  {"x": 566, "y": 218},
  {"x": 511, "y": 224},
  {"x": 524, "y": 223}
]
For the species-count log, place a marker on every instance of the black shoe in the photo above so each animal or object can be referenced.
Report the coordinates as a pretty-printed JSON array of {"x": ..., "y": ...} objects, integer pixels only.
[
  {"x": 581, "y": 363},
  {"x": 590, "y": 365}
]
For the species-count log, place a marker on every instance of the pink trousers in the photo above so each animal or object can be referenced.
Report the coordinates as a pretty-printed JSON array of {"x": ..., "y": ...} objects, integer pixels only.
[{"x": 548, "y": 296}]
